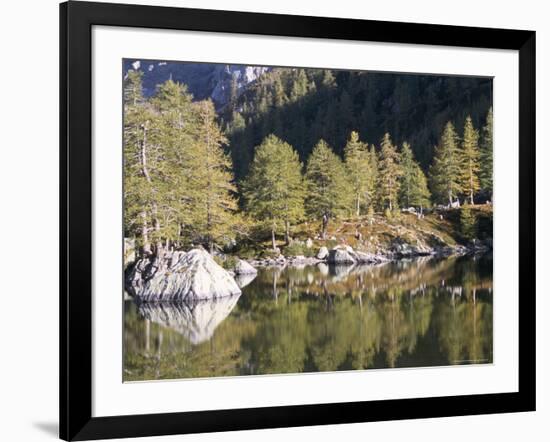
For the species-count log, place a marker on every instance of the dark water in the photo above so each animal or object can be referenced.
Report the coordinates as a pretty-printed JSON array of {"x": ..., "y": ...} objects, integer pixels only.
[{"x": 416, "y": 313}]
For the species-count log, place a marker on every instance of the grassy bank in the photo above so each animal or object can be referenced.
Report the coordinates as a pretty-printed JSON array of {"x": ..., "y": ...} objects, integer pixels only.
[{"x": 436, "y": 229}]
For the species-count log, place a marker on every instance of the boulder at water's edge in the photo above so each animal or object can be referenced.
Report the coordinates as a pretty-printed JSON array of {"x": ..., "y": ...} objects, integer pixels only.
[{"x": 180, "y": 276}]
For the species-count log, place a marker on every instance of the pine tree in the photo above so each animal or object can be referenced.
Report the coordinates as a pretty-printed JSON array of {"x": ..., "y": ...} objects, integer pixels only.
[
  {"x": 445, "y": 169},
  {"x": 389, "y": 173},
  {"x": 211, "y": 175},
  {"x": 486, "y": 172},
  {"x": 358, "y": 166},
  {"x": 274, "y": 189},
  {"x": 328, "y": 186},
  {"x": 420, "y": 195},
  {"x": 299, "y": 86},
  {"x": 469, "y": 177},
  {"x": 413, "y": 189}
]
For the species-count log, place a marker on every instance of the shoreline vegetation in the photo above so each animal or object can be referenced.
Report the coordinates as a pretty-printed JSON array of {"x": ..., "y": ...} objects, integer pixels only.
[{"x": 356, "y": 203}]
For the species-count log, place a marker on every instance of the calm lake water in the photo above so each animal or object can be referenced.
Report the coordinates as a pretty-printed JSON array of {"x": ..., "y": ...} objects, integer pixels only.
[{"x": 415, "y": 313}]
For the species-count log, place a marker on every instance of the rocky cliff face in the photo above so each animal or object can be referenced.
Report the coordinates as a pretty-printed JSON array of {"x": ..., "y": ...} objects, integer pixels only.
[{"x": 204, "y": 80}]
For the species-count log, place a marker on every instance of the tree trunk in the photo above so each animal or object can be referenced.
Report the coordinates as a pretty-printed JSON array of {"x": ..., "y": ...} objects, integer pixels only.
[
  {"x": 450, "y": 199},
  {"x": 146, "y": 247},
  {"x": 273, "y": 243},
  {"x": 358, "y": 205},
  {"x": 145, "y": 172},
  {"x": 324, "y": 227},
  {"x": 158, "y": 244},
  {"x": 287, "y": 232}
]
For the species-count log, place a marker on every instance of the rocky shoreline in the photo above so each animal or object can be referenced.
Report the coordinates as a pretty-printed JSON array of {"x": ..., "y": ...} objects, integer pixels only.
[
  {"x": 346, "y": 255},
  {"x": 192, "y": 276}
]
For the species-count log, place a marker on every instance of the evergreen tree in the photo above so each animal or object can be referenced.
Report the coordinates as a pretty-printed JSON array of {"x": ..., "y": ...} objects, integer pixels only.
[
  {"x": 445, "y": 169},
  {"x": 177, "y": 130},
  {"x": 211, "y": 175},
  {"x": 389, "y": 173},
  {"x": 420, "y": 195},
  {"x": 299, "y": 86},
  {"x": 328, "y": 187},
  {"x": 469, "y": 177},
  {"x": 413, "y": 189},
  {"x": 373, "y": 179},
  {"x": 274, "y": 190},
  {"x": 358, "y": 166},
  {"x": 142, "y": 164},
  {"x": 486, "y": 172}
]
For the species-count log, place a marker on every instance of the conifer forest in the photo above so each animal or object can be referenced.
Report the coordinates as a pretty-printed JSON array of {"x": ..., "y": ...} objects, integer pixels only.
[{"x": 268, "y": 208}]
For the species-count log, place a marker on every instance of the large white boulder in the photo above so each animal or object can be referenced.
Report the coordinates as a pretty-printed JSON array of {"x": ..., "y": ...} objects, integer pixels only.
[{"x": 180, "y": 276}]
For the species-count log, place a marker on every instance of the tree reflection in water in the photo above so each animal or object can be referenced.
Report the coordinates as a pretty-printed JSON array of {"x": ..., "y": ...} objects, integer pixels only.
[{"x": 414, "y": 313}]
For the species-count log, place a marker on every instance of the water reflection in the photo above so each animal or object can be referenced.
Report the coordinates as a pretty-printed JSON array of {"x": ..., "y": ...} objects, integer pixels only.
[
  {"x": 196, "y": 321},
  {"x": 322, "y": 318}
]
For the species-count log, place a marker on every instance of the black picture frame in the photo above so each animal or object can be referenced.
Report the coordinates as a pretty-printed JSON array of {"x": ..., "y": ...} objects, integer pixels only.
[{"x": 76, "y": 21}]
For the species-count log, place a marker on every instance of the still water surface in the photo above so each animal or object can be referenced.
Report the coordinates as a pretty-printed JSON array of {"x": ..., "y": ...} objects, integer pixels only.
[{"x": 414, "y": 313}]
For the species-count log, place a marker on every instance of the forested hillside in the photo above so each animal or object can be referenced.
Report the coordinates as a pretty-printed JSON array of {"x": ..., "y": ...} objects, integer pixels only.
[
  {"x": 302, "y": 106},
  {"x": 301, "y": 146}
]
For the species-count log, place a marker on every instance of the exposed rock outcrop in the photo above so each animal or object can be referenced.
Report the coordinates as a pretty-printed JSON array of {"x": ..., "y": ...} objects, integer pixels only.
[
  {"x": 180, "y": 276},
  {"x": 345, "y": 255},
  {"x": 322, "y": 253}
]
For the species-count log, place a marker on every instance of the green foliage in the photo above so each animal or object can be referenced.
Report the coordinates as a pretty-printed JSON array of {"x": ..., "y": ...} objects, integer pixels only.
[
  {"x": 328, "y": 186},
  {"x": 323, "y": 104},
  {"x": 468, "y": 223},
  {"x": 446, "y": 168},
  {"x": 274, "y": 191},
  {"x": 228, "y": 262},
  {"x": 469, "y": 179},
  {"x": 361, "y": 176},
  {"x": 298, "y": 248},
  {"x": 486, "y": 154},
  {"x": 210, "y": 173},
  {"x": 413, "y": 189},
  {"x": 177, "y": 179},
  {"x": 389, "y": 173}
]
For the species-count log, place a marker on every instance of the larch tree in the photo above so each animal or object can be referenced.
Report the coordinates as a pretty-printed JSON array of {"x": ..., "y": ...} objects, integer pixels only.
[
  {"x": 177, "y": 133},
  {"x": 141, "y": 164},
  {"x": 446, "y": 168},
  {"x": 389, "y": 173},
  {"x": 413, "y": 189},
  {"x": 486, "y": 154},
  {"x": 328, "y": 187},
  {"x": 210, "y": 173},
  {"x": 274, "y": 189},
  {"x": 358, "y": 166},
  {"x": 469, "y": 177}
]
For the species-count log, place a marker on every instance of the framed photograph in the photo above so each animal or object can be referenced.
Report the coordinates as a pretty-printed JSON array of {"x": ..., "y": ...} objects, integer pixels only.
[{"x": 272, "y": 220}]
